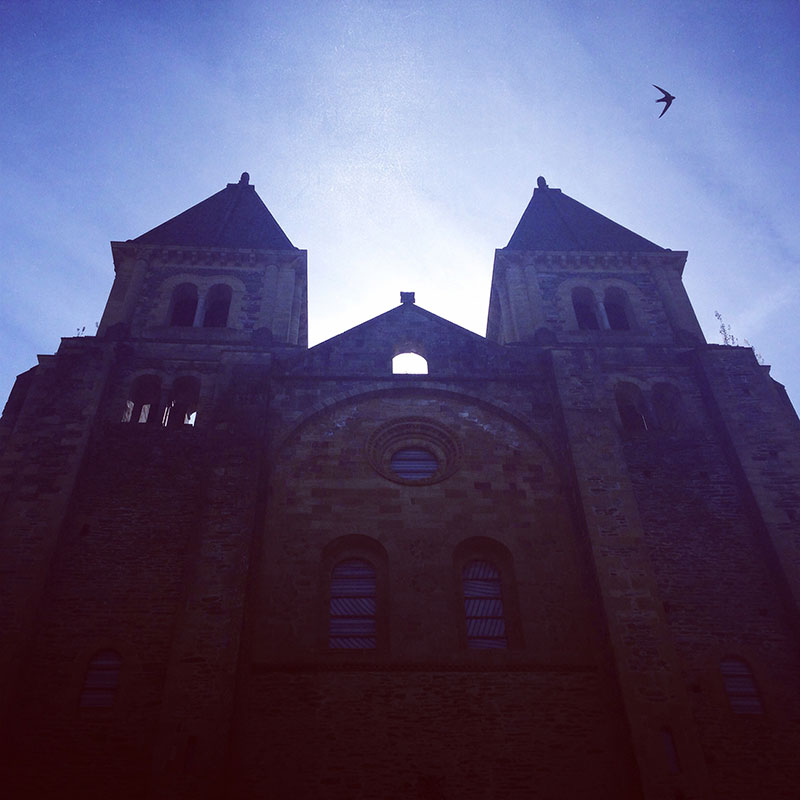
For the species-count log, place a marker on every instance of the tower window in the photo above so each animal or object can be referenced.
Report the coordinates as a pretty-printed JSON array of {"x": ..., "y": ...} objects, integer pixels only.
[
  {"x": 102, "y": 680},
  {"x": 182, "y": 406},
  {"x": 409, "y": 364},
  {"x": 353, "y": 624},
  {"x": 218, "y": 303},
  {"x": 183, "y": 306},
  {"x": 483, "y": 606},
  {"x": 583, "y": 303},
  {"x": 667, "y": 406},
  {"x": 617, "y": 309},
  {"x": 631, "y": 406},
  {"x": 740, "y": 687},
  {"x": 144, "y": 399}
]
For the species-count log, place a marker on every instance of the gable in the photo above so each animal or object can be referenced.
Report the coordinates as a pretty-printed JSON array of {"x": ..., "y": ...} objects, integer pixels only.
[{"x": 368, "y": 349}]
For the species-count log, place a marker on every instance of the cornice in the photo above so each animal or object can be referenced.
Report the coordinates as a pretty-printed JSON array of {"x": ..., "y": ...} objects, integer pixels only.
[
  {"x": 173, "y": 255},
  {"x": 591, "y": 261}
]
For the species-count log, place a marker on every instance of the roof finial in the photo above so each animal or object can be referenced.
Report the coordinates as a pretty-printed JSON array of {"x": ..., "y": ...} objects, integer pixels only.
[
  {"x": 245, "y": 179},
  {"x": 541, "y": 182},
  {"x": 406, "y": 297}
]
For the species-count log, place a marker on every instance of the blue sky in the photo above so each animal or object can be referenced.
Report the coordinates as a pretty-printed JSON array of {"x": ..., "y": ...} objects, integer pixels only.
[{"x": 399, "y": 143}]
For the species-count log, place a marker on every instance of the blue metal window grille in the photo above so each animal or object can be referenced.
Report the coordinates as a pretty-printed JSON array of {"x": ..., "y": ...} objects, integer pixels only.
[
  {"x": 353, "y": 624},
  {"x": 483, "y": 605},
  {"x": 414, "y": 464},
  {"x": 740, "y": 686},
  {"x": 102, "y": 680}
]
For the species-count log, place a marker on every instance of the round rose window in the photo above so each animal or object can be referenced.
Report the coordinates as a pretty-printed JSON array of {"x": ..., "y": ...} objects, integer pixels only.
[{"x": 414, "y": 451}]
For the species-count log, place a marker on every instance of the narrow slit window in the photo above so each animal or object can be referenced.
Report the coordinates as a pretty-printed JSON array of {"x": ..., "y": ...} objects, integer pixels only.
[
  {"x": 102, "y": 680},
  {"x": 740, "y": 687},
  {"x": 353, "y": 606},
  {"x": 483, "y": 606}
]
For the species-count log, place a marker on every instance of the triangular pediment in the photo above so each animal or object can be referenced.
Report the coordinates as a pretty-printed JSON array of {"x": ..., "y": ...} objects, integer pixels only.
[{"x": 368, "y": 348}]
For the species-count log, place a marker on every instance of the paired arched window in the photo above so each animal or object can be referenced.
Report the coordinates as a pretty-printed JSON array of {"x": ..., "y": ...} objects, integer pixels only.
[
  {"x": 183, "y": 306},
  {"x": 740, "y": 686},
  {"x": 102, "y": 680},
  {"x": 188, "y": 308},
  {"x": 353, "y": 623},
  {"x": 483, "y": 606},
  {"x": 665, "y": 412},
  {"x": 144, "y": 400},
  {"x": 615, "y": 313}
]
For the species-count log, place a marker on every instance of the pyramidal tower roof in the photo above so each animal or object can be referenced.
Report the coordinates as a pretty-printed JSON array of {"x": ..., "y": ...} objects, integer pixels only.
[
  {"x": 235, "y": 218},
  {"x": 553, "y": 221}
]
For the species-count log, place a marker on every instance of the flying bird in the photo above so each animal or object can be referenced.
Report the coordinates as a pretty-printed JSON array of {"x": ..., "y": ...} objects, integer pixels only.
[{"x": 666, "y": 100}]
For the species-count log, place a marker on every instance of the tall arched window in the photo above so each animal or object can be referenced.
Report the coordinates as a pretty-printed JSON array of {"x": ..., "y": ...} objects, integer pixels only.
[
  {"x": 631, "y": 406},
  {"x": 144, "y": 399},
  {"x": 353, "y": 606},
  {"x": 483, "y": 606},
  {"x": 182, "y": 405},
  {"x": 102, "y": 680},
  {"x": 618, "y": 311},
  {"x": 740, "y": 686},
  {"x": 218, "y": 303},
  {"x": 584, "y": 305},
  {"x": 183, "y": 306}
]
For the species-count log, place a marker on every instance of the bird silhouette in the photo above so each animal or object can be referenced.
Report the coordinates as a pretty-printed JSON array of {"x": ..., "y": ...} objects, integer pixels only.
[{"x": 666, "y": 99}]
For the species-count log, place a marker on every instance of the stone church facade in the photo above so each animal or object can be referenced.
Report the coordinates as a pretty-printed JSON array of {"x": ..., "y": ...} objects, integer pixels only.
[{"x": 561, "y": 563}]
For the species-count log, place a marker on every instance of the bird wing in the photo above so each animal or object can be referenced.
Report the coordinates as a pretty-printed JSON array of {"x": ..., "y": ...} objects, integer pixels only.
[
  {"x": 667, "y": 104},
  {"x": 665, "y": 92}
]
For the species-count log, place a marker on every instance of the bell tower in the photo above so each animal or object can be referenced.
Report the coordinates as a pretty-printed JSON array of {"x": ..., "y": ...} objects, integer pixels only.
[
  {"x": 572, "y": 273},
  {"x": 222, "y": 270}
]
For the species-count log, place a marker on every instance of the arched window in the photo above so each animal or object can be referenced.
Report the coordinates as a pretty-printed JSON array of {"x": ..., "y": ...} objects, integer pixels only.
[
  {"x": 353, "y": 606},
  {"x": 102, "y": 680},
  {"x": 483, "y": 606},
  {"x": 631, "y": 406},
  {"x": 183, "y": 306},
  {"x": 585, "y": 307},
  {"x": 740, "y": 687},
  {"x": 617, "y": 308},
  {"x": 144, "y": 399},
  {"x": 218, "y": 303},
  {"x": 667, "y": 406},
  {"x": 409, "y": 364},
  {"x": 182, "y": 406}
]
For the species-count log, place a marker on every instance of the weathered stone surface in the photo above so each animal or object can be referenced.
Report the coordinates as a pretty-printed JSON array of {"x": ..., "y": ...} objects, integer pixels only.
[{"x": 636, "y": 490}]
